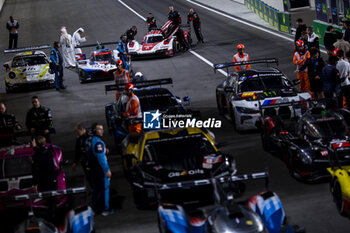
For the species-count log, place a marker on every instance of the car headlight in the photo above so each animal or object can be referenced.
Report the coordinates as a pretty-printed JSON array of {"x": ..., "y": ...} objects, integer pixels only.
[
  {"x": 304, "y": 156},
  {"x": 247, "y": 110}
]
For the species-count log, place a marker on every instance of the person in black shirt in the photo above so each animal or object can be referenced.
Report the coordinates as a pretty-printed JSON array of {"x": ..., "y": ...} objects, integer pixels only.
[
  {"x": 174, "y": 16},
  {"x": 8, "y": 124},
  {"x": 330, "y": 37},
  {"x": 80, "y": 152},
  {"x": 347, "y": 31},
  {"x": 194, "y": 18},
  {"x": 131, "y": 33},
  {"x": 12, "y": 26},
  {"x": 300, "y": 27},
  {"x": 44, "y": 172},
  {"x": 39, "y": 119},
  {"x": 151, "y": 22}
]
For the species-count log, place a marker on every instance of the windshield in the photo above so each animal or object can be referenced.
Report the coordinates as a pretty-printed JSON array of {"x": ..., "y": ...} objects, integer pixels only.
[
  {"x": 328, "y": 129},
  {"x": 28, "y": 61},
  {"x": 154, "y": 39},
  {"x": 263, "y": 83},
  {"x": 15, "y": 167},
  {"x": 178, "y": 153},
  {"x": 160, "y": 102},
  {"x": 106, "y": 56}
]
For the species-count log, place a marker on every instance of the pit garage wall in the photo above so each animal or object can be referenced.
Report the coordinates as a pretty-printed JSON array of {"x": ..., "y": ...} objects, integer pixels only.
[
  {"x": 279, "y": 19},
  {"x": 276, "y": 4}
]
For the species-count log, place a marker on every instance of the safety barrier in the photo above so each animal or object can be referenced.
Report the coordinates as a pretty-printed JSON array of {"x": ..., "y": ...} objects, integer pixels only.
[
  {"x": 279, "y": 20},
  {"x": 320, "y": 28}
]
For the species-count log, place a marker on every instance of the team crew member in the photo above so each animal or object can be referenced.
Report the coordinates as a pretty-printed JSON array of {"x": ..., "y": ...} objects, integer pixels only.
[
  {"x": 151, "y": 22},
  {"x": 57, "y": 60},
  {"x": 300, "y": 28},
  {"x": 299, "y": 58},
  {"x": 44, "y": 172},
  {"x": 8, "y": 124},
  {"x": 100, "y": 171},
  {"x": 133, "y": 109},
  {"x": 312, "y": 39},
  {"x": 121, "y": 76},
  {"x": 174, "y": 16},
  {"x": 241, "y": 56},
  {"x": 194, "y": 18},
  {"x": 12, "y": 25},
  {"x": 80, "y": 152},
  {"x": 77, "y": 39},
  {"x": 123, "y": 50},
  {"x": 131, "y": 33},
  {"x": 39, "y": 119},
  {"x": 344, "y": 71}
]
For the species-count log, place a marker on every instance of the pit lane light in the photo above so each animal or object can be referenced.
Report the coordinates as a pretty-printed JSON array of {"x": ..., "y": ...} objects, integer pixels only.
[
  {"x": 156, "y": 82},
  {"x": 27, "y": 49},
  {"x": 230, "y": 64}
]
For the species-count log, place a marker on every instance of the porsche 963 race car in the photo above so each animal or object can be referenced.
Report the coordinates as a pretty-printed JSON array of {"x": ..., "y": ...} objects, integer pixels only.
[
  {"x": 28, "y": 69},
  {"x": 240, "y": 94}
]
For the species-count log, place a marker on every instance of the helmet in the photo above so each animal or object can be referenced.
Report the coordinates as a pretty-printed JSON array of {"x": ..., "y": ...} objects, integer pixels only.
[
  {"x": 119, "y": 62},
  {"x": 240, "y": 46},
  {"x": 335, "y": 52},
  {"x": 300, "y": 43},
  {"x": 129, "y": 86},
  {"x": 139, "y": 74}
]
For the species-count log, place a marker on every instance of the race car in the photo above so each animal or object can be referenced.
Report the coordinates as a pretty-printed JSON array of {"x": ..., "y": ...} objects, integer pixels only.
[
  {"x": 151, "y": 99},
  {"x": 99, "y": 66},
  {"x": 16, "y": 175},
  {"x": 158, "y": 42},
  {"x": 303, "y": 141},
  {"x": 175, "y": 157},
  {"x": 240, "y": 94},
  {"x": 262, "y": 213},
  {"x": 340, "y": 182},
  {"x": 28, "y": 69}
]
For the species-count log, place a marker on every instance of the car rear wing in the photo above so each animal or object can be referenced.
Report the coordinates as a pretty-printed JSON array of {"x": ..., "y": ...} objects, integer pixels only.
[
  {"x": 54, "y": 193},
  {"x": 97, "y": 44},
  {"x": 149, "y": 83},
  {"x": 335, "y": 146},
  {"x": 195, "y": 183},
  {"x": 30, "y": 48},
  {"x": 230, "y": 64}
]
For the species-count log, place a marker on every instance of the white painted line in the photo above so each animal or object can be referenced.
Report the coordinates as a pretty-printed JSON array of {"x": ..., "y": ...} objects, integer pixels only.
[
  {"x": 207, "y": 61},
  {"x": 246, "y": 23},
  {"x": 132, "y": 10}
]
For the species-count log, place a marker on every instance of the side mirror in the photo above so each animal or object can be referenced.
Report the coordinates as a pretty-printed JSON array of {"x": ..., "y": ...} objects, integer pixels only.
[{"x": 295, "y": 82}]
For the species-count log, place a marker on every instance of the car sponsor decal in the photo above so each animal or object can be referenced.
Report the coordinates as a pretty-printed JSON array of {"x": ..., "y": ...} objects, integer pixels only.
[
  {"x": 209, "y": 160},
  {"x": 324, "y": 152},
  {"x": 185, "y": 173},
  {"x": 269, "y": 102},
  {"x": 43, "y": 71},
  {"x": 248, "y": 94},
  {"x": 336, "y": 145}
]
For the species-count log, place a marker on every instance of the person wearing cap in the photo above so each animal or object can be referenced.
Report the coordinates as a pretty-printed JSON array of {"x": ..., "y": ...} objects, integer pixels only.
[
  {"x": 77, "y": 39},
  {"x": 8, "y": 125},
  {"x": 12, "y": 26},
  {"x": 299, "y": 58},
  {"x": 241, "y": 56},
  {"x": 121, "y": 76},
  {"x": 151, "y": 22},
  {"x": 123, "y": 50},
  {"x": 133, "y": 109}
]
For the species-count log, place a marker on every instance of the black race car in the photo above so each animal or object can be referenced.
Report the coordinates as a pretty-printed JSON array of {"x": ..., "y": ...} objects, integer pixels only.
[
  {"x": 151, "y": 99},
  {"x": 241, "y": 93},
  {"x": 181, "y": 159},
  {"x": 304, "y": 141}
]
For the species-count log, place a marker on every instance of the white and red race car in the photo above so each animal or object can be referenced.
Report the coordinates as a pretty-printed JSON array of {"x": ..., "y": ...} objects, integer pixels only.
[{"x": 159, "y": 42}]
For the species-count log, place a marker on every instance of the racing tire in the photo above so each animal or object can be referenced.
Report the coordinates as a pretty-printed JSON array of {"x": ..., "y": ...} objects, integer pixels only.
[
  {"x": 290, "y": 165},
  {"x": 232, "y": 116},
  {"x": 338, "y": 197},
  {"x": 189, "y": 39},
  {"x": 8, "y": 90},
  {"x": 174, "y": 48},
  {"x": 219, "y": 103},
  {"x": 265, "y": 142}
]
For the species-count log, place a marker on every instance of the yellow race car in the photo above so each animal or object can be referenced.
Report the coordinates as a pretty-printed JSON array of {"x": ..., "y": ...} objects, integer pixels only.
[
  {"x": 176, "y": 161},
  {"x": 340, "y": 182}
]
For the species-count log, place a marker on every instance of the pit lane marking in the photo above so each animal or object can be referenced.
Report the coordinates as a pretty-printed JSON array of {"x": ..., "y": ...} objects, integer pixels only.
[
  {"x": 246, "y": 23},
  {"x": 194, "y": 53}
]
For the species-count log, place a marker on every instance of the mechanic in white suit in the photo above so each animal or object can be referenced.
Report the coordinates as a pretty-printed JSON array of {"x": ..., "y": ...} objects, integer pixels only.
[
  {"x": 77, "y": 39},
  {"x": 67, "y": 48}
]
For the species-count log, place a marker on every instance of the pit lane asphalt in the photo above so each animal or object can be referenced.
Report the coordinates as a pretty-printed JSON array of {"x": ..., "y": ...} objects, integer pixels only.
[{"x": 310, "y": 206}]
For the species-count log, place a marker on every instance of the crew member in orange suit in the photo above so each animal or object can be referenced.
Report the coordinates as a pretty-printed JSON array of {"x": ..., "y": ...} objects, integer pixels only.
[
  {"x": 241, "y": 56},
  {"x": 133, "y": 109},
  {"x": 300, "y": 56},
  {"x": 121, "y": 76}
]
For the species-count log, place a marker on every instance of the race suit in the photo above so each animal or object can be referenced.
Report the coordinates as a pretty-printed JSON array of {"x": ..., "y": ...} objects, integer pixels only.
[
  {"x": 39, "y": 119},
  {"x": 299, "y": 60},
  {"x": 133, "y": 111},
  {"x": 151, "y": 22},
  {"x": 96, "y": 151},
  {"x": 122, "y": 47},
  {"x": 238, "y": 58},
  {"x": 8, "y": 123},
  {"x": 196, "y": 25}
]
